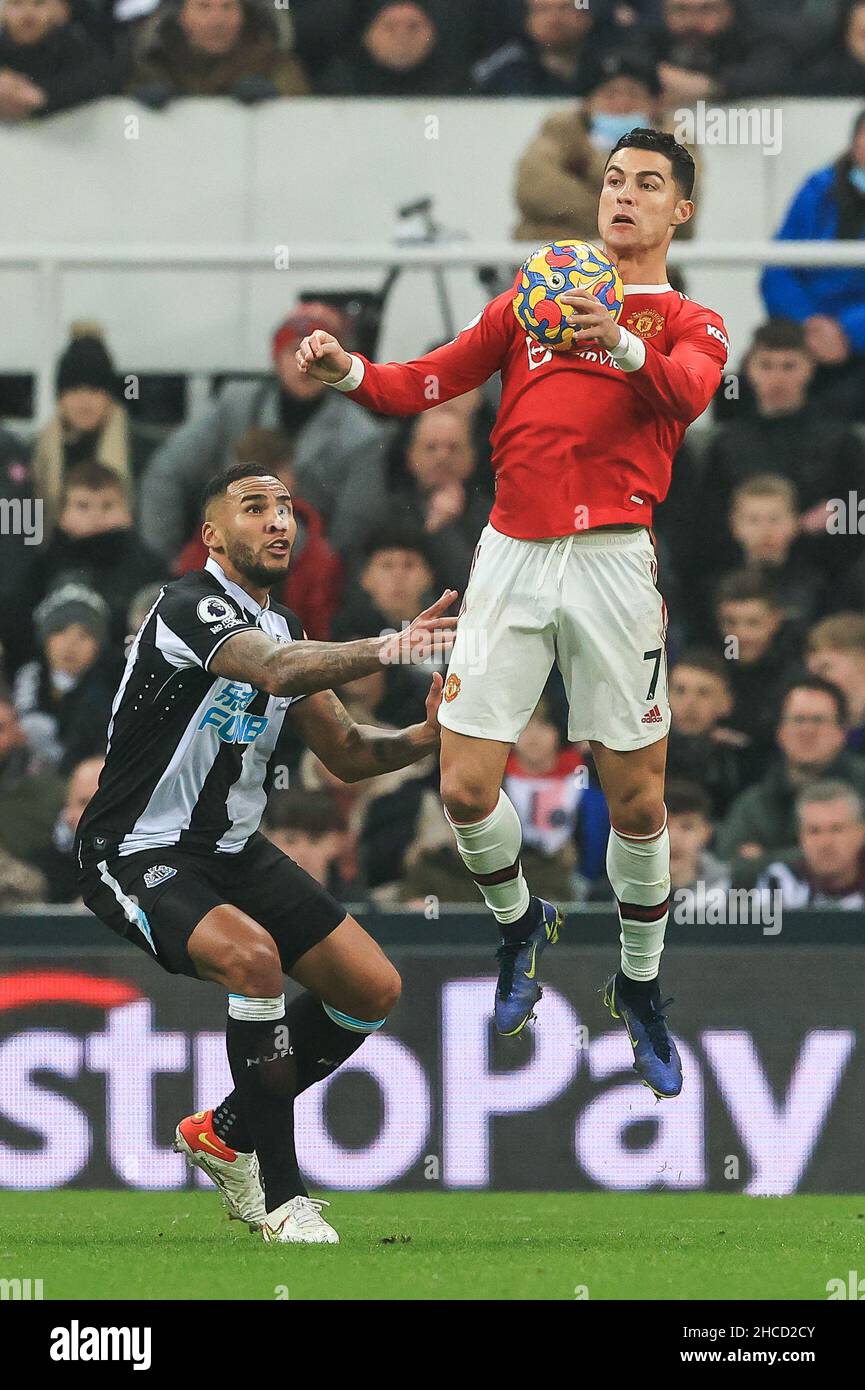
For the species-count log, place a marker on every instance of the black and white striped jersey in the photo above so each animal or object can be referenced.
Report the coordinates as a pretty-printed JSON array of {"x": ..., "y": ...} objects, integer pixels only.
[{"x": 189, "y": 753}]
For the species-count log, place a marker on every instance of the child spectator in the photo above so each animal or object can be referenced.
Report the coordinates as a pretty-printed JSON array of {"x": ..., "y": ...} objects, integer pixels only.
[
  {"x": 828, "y": 867},
  {"x": 689, "y": 822},
  {"x": 313, "y": 589},
  {"x": 47, "y": 62},
  {"x": 211, "y": 48},
  {"x": 94, "y": 544},
  {"x": 764, "y": 524},
  {"x": 564, "y": 818},
  {"x": 820, "y": 456},
  {"x": 89, "y": 423},
  {"x": 761, "y": 647},
  {"x": 394, "y": 584},
  {"x": 835, "y": 650},
  {"x": 701, "y": 748},
  {"x": 64, "y": 697}
]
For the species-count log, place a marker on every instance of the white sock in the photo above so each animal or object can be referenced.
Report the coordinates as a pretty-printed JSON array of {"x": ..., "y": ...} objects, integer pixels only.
[
  {"x": 638, "y": 867},
  {"x": 490, "y": 849}
]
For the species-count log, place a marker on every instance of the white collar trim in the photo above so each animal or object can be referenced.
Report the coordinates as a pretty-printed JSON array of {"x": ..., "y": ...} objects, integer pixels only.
[
  {"x": 648, "y": 289},
  {"x": 240, "y": 595}
]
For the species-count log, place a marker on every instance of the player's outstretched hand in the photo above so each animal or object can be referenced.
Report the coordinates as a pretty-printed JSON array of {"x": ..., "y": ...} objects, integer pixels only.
[
  {"x": 592, "y": 321},
  {"x": 427, "y": 635},
  {"x": 323, "y": 356}
]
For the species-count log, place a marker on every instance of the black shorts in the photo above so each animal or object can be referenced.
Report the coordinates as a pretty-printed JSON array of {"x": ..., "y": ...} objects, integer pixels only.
[{"x": 156, "y": 898}]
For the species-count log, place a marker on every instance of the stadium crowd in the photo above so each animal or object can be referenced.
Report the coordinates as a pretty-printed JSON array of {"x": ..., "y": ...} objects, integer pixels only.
[
  {"x": 767, "y": 640},
  {"x": 55, "y": 54}
]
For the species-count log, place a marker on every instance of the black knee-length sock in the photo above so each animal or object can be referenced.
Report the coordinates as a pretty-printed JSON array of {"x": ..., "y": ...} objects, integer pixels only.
[
  {"x": 261, "y": 1058},
  {"x": 320, "y": 1046}
]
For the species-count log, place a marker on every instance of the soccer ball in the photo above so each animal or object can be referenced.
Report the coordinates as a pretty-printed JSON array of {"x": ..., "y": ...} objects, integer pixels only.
[{"x": 550, "y": 272}]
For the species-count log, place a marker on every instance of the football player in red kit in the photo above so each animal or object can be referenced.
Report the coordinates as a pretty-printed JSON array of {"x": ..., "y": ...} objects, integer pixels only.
[{"x": 565, "y": 571}]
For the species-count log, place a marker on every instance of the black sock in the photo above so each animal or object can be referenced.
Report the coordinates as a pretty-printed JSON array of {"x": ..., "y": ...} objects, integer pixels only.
[
  {"x": 320, "y": 1045},
  {"x": 638, "y": 993},
  {"x": 229, "y": 1126},
  {"x": 523, "y": 926},
  {"x": 265, "y": 1077}
]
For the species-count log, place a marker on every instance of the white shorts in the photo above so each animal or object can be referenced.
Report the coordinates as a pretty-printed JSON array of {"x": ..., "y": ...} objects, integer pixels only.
[{"x": 590, "y": 603}]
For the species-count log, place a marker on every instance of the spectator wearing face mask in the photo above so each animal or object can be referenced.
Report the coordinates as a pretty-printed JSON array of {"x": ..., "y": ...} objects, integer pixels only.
[
  {"x": 47, "y": 62},
  {"x": 399, "y": 55},
  {"x": 89, "y": 423},
  {"x": 215, "y": 48},
  {"x": 559, "y": 174}
]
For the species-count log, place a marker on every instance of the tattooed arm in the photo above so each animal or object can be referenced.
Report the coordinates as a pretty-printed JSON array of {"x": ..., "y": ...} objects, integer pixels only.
[
  {"x": 302, "y": 668},
  {"x": 354, "y": 751}
]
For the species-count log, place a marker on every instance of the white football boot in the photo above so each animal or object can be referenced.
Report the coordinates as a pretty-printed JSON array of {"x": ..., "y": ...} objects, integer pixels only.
[
  {"x": 235, "y": 1174},
  {"x": 299, "y": 1222}
]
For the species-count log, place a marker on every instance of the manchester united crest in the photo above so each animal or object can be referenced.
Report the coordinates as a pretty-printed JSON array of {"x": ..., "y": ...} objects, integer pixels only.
[
  {"x": 647, "y": 323},
  {"x": 452, "y": 688}
]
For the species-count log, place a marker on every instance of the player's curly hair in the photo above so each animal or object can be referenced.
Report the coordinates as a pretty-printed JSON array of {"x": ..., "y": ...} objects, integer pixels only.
[{"x": 661, "y": 142}]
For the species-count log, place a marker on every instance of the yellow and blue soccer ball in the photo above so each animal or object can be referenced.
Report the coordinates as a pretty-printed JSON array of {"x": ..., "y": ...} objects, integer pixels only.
[{"x": 552, "y": 271}]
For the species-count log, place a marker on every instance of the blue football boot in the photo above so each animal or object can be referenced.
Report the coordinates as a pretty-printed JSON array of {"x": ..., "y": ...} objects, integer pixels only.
[
  {"x": 518, "y": 990},
  {"x": 656, "y": 1058}
]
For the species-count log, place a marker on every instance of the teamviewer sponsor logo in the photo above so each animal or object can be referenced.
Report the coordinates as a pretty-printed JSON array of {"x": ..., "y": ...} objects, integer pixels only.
[{"x": 77, "y": 1343}]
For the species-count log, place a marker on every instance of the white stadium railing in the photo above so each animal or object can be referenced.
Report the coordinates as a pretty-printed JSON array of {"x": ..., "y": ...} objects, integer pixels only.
[{"x": 51, "y": 261}]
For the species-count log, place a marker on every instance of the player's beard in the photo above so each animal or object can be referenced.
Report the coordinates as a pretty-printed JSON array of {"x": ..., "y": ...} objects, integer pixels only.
[{"x": 252, "y": 566}]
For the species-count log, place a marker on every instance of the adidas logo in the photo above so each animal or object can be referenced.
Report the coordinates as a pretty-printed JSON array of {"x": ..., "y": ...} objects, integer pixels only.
[{"x": 654, "y": 716}]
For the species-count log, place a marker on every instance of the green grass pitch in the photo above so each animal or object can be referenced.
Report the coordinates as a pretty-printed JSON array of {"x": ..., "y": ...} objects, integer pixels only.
[{"x": 459, "y": 1245}]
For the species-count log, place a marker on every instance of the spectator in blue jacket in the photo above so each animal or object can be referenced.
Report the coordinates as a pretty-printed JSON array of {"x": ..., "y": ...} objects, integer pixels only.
[{"x": 829, "y": 301}]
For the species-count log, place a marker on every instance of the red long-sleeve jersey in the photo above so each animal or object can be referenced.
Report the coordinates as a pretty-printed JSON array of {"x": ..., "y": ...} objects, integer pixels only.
[{"x": 581, "y": 439}]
